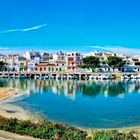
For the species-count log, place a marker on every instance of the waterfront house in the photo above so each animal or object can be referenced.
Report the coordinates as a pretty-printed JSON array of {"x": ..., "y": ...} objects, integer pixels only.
[
  {"x": 59, "y": 56},
  {"x": 2, "y": 66},
  {"x": 46, "y": 57},
  {"x": 22, "y": 64},
  {"x": 45, "y": 67},
  {"x": 8, "y": 63},
  {"x": 11, "y": 62},
  {"x": 30, "y": 65},
  {"x": 42, "y": 66},
  {"x": 103, "y": 58},
  {"x": 132, "y": 64},
  {"x": 14, "y": 61},
  {"x": 32, "y": 55},
  {"x": 74, "y": 61},
  {"x": 60, "y": 65},
  {"x": 59, "y": 60},
  {"x": 99, "y": 54}
]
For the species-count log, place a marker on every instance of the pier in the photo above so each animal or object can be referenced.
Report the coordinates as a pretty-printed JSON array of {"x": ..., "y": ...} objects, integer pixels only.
[{"x": 63, "y": 75}]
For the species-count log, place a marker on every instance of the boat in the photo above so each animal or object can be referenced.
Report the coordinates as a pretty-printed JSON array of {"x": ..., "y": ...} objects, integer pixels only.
[
  {"x": 98, "y": 77},
  {"x": 107, "y": 76},
  {"x": 58, "y": 77},
  {"x": 22, "y": 76},
  {"x": 135, "y": 76},
  {"x": 12, "y": 76},
  {"x": 70, "y": 77},
  {"x": 37, "y": 77},
  {"x": 90, "y": 77},
  {"x": 64, "y": 77},
  {"x": 5, "y": 76},
  {"x": 46, "y": 77},
  {"x": 125, "y": 76}
]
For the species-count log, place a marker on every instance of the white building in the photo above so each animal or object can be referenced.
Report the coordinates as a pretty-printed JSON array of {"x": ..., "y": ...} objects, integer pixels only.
[
  {"x": 132, "y": 64},
  {"x": 32, "y": 55}
]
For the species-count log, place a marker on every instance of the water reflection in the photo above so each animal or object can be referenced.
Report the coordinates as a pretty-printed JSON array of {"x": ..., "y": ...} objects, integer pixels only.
[{"x": 71, "y": 88}]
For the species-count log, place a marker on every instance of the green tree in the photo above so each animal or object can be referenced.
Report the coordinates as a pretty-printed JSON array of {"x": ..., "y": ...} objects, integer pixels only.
[
  {"x": 115, "y": 62},
  {"x": 91, "y": 62}
]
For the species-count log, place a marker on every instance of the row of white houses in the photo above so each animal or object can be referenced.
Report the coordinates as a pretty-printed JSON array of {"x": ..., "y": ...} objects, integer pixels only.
[{"x": 35, "y": 61}]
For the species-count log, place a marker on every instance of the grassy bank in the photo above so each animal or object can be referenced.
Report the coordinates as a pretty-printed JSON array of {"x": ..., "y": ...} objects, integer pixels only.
[{"x": 58, "y": 131}]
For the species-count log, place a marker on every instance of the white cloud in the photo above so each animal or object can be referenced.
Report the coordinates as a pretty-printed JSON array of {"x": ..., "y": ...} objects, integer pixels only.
[
  {"x": 24, "y": 29},
  {"x": 8, "y": 50},
  {"x": 118, "y": 49}
]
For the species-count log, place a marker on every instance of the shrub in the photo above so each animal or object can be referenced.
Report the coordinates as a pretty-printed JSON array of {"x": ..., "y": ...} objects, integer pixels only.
[
  {"x": 112, "y": 135},
  {"x": 43, "y": 130}
]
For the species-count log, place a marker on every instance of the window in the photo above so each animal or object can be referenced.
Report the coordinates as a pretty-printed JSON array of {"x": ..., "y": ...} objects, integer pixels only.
[
  {"x": 44, "y": 68},
  {"x": 52, "y": 69},
  {"x": 21, "y": 69},
  {"x": 21, "y": 64},
  {"x": 49, "y": 69},
  {"x": 60, "y": 69},
  {"x": 36, "y": 68},
  {"x": 63, "y": 64},
  {"x": 70, "y": 59},
  {"x": 40, "y": 68}
]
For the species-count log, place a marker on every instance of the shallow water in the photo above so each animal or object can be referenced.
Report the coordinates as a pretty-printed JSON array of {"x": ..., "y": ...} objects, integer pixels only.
[{"x": 88, "y": 104}]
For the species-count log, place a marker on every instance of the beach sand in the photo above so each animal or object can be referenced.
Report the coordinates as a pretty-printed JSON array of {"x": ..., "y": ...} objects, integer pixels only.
[
  {"x": 12, "y": 111},
  {"x": 11, "y": 136},
  {"x": 5, "y": 93}
]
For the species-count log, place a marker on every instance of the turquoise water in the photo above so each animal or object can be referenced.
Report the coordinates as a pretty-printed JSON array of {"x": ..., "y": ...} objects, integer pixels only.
[{"x": 88, "y": 104}]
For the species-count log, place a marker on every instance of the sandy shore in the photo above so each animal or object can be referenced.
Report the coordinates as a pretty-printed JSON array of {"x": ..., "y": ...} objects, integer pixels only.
[
  {"x": 9, "y": 110},
  {"x": 12, "y": 111},
  {"x": 11, "y": 136},
  {"x": 5, "y": 93}
]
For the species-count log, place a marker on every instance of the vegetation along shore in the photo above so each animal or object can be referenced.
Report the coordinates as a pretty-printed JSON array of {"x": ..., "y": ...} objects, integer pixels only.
[{"x": 49, "y": 130}]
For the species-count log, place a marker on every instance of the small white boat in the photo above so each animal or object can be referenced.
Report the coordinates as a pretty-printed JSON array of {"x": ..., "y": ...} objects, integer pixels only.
[
  {"x": 5, "y": 76},
  {"x": 22, "y": 76},
  {"x": 16, "y": 76},
  {"x": 70, "y": 77},
  {"x": 98, "y": 77},
  {"x": 37, "y": 77},
  {"x": 125, "y": 76},
  {"x": 135, "y": 76},
  {"x": 46, "y": 77},
  {"x": 90, "y": 77},
  {"x": 106, "y": 76},
  {"x": 12, "y": 76},
  {"x": 64, "y": 77},
  {"x": 58, "y": 77}
]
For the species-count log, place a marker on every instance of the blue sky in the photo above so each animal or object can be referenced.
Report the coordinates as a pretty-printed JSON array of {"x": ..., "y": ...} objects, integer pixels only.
[{"x": 82, "y": 25}]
